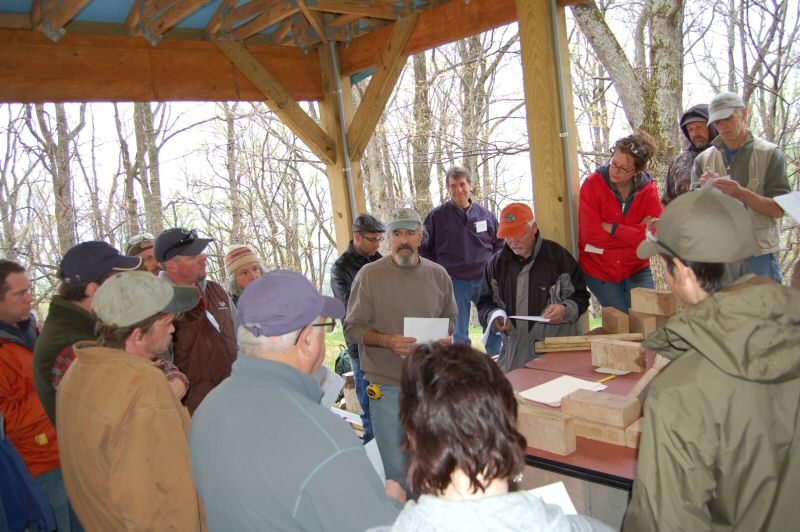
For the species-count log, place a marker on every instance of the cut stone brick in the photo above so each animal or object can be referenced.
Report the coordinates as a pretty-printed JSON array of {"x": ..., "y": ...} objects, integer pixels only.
[
  {"x": 615, "y": 321},
  {"x": 652, "y": 301},
  {"x": 618, "y": 354},
  {"x": 602, "y": 407},
  {"x": 600, "y": 432},
  {"x": 553, "y": 432}
]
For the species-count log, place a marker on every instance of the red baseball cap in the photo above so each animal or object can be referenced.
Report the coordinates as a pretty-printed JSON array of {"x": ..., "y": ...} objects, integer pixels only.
[{"x": 514, "y": 220}]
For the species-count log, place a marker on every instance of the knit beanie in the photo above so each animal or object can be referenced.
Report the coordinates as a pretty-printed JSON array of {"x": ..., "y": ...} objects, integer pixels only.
[{"x": 238, "y": 255}]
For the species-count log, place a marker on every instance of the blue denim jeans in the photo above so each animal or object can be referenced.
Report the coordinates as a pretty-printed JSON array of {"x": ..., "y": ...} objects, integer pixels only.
[
  {"x": 767, "y": 266},
  {"x": 361, "y": 393},
  {"x": 467, "y": 293},
  {"x": 389, "y": 433},
  {"x": 618, "y": 295},
  {"x": 52, "y": 484}
]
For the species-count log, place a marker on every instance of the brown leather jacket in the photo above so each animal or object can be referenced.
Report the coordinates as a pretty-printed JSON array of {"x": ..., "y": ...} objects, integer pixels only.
[{"x": 201, "y": 352}]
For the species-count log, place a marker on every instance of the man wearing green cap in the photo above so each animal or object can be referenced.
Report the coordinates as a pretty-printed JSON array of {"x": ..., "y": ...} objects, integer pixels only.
[
  {"x": 719, "y": 447},
  {"x": 750, "y": 170},
  {"x": 123, "y": 434}
]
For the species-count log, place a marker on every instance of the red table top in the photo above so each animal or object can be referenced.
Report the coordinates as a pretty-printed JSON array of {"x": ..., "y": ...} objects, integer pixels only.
[{"x": 605, "y": 462}]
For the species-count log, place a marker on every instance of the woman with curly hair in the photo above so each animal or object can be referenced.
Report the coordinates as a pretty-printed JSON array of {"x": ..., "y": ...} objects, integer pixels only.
[{"x": 617, "y": 203}]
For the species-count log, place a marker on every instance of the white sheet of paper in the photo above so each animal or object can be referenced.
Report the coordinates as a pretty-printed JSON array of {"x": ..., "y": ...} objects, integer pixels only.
[
  {"x": 556, "y": 494},
  {"x": 709, "y": 184},
  {"x": 551, "y": 393},
  {"x": 353, "y": 419},
  {"x": 212, "y": 320},
  {"x": 588, "y": 248},
  {"x": 480, "y": 226},
  {"x": 499, "y": 313},
  {"x": 790, "y": 203},
  {"x": 531, "y": 318},
  {"x": 426, "y": 330},
  {"x": 331, "y": 384},
  {"x": 612, "y": 371},
  {"x": 374, "y": 456}
]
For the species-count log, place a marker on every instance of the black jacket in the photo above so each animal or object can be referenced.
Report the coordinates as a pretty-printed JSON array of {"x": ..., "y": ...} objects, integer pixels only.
[
  {"x": 679, "y": 174},
  {"x": 343, "y": 272}
]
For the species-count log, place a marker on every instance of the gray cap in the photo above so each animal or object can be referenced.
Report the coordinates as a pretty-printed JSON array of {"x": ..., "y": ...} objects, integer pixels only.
[
  {"x": 366, "y": 223},
  {"x": 404, "y": 218},
  {"x": 283, "y": 301},
  {"x": 130, "y": 297},
  {"x": 723, "y": 105},
  {"x": 702, "y": 226}
]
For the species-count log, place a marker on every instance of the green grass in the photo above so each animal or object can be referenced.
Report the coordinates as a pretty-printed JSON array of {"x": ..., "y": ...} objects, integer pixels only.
[{"x": 334, "y": 342}]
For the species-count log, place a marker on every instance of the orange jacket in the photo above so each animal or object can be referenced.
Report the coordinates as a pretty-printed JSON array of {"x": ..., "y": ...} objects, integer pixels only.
[{"x": 26, "y": 422}]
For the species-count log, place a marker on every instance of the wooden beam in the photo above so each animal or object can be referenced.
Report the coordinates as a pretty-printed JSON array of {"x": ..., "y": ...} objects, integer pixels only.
[
  {"x": 215, "y": 23},
  {"x": 280, "y": 101},
  {"x": 313, "y": 20},
  {"x": 337, "y": 175},
  {"x": 353, "y": 7},
  {"x": 380, "y": 87},
  {"x": 446, "y": 23},
  {"x": 540, "y": 81},
  {"x": 51, "y": 17},
  {"x": 86, "y": 68},
  {"x": 272, "y": 15},
  {"x": 13, "y": 21}
]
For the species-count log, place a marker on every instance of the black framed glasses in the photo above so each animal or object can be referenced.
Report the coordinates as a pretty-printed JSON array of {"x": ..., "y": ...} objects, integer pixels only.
[
  {"x": 621, "y": 168},
  {"x": 650, "y": 231},
  {"x": 373, "y": 239},
  {"x": 329, "y": 326},
  {"x": 188, "y": 238}
]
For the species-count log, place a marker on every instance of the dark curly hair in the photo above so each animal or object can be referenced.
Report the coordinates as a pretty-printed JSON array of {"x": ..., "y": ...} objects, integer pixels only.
[
  {"x": 641, "y": 146},
  {"x": 459, "y": 412}
]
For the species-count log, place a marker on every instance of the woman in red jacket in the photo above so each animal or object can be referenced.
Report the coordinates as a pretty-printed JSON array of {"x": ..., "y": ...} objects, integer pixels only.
[{"x": 617, "y": 202}]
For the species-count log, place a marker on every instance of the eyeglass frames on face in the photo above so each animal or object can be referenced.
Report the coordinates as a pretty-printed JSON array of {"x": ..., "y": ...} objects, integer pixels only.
[
  {"x": 373, "y": 239},
  {"x": 650, "y": 231},
  {"x": 624, "y": 169},
  {"x": 329, "y": 326}
]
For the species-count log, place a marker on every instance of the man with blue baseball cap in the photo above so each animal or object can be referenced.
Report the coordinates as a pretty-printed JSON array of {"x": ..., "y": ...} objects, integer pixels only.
[{"x": 266, "y": 455}]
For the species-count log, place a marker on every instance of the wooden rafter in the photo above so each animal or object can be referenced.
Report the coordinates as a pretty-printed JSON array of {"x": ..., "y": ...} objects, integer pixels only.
[
  {"x": 50, "y": 16},
  {"x": 277, "y": 11},
  {"x": 343, "y": 20},
  {"x": 380, "y": 87},
  {"x": 352, "y": 7},
  {"x": 151, "y": 18},
  {"x": 215, "y": 23},
  {"x": 313, "y": 20},
  {"x": 280, "y": 101}
]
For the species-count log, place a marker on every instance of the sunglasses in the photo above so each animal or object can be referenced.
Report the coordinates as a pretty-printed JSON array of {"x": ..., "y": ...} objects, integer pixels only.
[
  {"x": 138, "y": 239},
  {"x": 631, "y": 147},
  {"x": 188, "y": 238}
]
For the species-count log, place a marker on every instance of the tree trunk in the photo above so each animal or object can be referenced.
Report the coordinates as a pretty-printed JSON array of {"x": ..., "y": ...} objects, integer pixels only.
[{"x": 420, "y": 141}]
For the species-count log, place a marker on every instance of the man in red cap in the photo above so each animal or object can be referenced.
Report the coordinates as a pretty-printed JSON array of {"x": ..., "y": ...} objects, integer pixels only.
[{"x": 534, "y": 277}]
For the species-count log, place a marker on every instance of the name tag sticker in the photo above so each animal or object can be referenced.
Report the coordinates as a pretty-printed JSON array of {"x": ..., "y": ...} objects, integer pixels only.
[
  {"x": 480, "y": 226},
  {"x": 213, "y": 320}
]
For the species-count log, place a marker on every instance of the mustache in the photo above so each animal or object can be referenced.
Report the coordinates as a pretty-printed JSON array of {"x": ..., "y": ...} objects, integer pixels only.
[{"x": 405, "y": 246}]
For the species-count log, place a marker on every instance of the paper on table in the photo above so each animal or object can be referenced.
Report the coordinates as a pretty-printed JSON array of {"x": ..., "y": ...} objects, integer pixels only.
[
  {"x": 426, "y": 330},
  {"x": 551, "y": 393},
  {"x": 790, "y": 203},
  {"x": 556, "y": 494},
  {"x": 331, "y": 385},
  {"x": 374, "y": 456},
  {"x": 612, "y": 371}
]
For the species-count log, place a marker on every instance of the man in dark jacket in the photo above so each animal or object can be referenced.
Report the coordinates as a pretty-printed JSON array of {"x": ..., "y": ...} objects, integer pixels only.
[
  {"x": 533, "y": 277},
  {"x": 699, "y": 134},
  {"x": 363, "y": 249},
  {"x": 720, "y": 447},
  {"x": 204, "y": 346}
]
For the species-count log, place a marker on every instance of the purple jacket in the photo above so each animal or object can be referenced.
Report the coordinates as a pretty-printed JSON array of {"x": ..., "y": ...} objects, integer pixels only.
[{"x": 461, "y": 241}]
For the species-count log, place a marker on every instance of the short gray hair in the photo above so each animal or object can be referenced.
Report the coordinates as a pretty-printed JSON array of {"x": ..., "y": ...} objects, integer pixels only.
[
  {"x": 250, "y": 344},
  {"x": 457, "y": 172}
]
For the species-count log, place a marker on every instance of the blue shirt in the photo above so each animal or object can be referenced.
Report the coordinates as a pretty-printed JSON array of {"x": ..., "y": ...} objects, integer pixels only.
[{"x": 461, "y": 241}]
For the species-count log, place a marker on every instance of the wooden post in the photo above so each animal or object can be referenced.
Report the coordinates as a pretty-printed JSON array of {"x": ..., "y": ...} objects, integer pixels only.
[
  {"x": 337, "y": 177},
  {"x": 551, "y": 185}
]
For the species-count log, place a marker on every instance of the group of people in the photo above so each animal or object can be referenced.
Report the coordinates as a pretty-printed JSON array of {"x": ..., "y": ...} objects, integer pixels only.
[{"x": 153, "y": 397}]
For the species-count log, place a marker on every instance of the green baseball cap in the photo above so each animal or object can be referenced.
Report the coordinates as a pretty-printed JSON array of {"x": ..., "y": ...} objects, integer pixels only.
[
  {"x": 403, "y": 218},
  {"x": 131, "y": 297},
  {"x": 702, "y": 226}
]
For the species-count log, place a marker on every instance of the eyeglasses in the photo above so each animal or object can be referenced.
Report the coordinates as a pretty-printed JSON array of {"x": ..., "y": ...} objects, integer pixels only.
[
  {"x": 136, "y": 239},
  {"x": 624, "y": 169},
  {"x": 650, "y": 231},
  {"x": 373, "y": 239},
  {"x": 188, "y": 238},
  {"x": 329, "y": 326}
]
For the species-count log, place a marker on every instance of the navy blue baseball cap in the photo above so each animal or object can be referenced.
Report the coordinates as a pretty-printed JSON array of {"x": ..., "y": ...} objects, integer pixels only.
[
  {"x": 179, "y": 241},
  {"x": 281, "y": 302},
  {"x": 89, "y": 261}
]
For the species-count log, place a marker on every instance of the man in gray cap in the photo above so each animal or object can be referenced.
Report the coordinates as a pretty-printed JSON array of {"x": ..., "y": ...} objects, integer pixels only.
[
  {"x": 363, "y": 249},
  {"x": 122, "y": 432},
  {"x": 720, "y": 445},
  {"x": 385, "y": 292},
  {"x": 750, "y": 170},
  {"x": 266, "y": 454},
  {"x": 205, "y": 340}
]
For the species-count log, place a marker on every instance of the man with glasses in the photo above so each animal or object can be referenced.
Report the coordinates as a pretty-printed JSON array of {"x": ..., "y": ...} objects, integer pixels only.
[
  {"x": 750, "y": 170},
  {"x": 204, "y": 344},
  {"x": 462, "y": 238},
  {"x": 385, "y": 292},
  {"x": 141, "y": 245},
  {"x": 266, "y": 455},
  {"x": 363, "y": 249}
]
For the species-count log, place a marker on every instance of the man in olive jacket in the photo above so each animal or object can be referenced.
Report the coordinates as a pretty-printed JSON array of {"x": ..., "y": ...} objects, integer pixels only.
[{"x": 719, "y": 448}]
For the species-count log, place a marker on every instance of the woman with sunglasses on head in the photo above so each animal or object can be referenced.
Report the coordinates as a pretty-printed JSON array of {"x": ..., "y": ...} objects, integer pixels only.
[{"x": 617, "y": 202}]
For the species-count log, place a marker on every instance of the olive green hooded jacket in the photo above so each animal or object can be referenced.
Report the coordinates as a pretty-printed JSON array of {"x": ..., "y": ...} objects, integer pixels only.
[{"x": 719, "y": 449}]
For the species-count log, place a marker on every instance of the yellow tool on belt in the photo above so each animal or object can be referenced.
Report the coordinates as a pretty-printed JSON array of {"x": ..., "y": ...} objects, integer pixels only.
[{"x": 374, "y": 392}]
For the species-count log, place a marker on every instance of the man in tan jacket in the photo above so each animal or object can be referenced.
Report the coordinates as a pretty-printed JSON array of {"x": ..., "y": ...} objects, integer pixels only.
[{"x": 123, "y": 433}]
